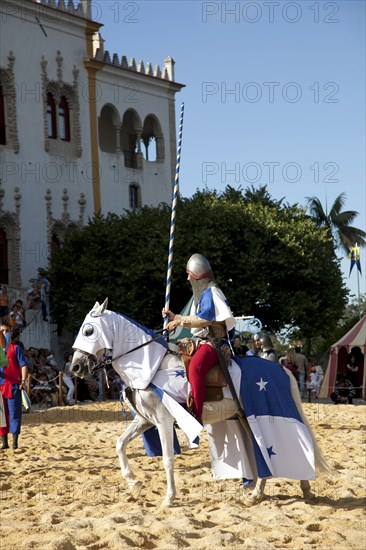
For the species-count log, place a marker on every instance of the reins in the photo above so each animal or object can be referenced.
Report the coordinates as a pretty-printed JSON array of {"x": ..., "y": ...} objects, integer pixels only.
[{"x": 108, "y": 361}]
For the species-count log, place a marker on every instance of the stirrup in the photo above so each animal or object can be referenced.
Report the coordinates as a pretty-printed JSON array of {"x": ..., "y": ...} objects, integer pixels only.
[{"x": 190, "y": 404}]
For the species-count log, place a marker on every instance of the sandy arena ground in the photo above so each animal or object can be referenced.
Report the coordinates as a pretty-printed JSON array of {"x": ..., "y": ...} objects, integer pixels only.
[{"x": 62, "y": 490}]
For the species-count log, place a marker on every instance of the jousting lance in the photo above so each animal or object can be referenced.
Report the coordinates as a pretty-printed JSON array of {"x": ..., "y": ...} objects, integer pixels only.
[{"x": 172, "y": 220}]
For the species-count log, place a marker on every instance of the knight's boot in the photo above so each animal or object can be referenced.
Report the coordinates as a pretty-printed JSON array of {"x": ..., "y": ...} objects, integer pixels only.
[
  {"x": 190, "y": 403},
  {"x": 15, "y": 441},
  {"x": 4, "y": 442}
]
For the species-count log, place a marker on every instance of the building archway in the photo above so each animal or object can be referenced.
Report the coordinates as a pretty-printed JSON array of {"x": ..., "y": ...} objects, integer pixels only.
[
  {"x": 131, "y": 139},
  {"x": 153, "y": 140},
  {"x": 109, "y": 125}
]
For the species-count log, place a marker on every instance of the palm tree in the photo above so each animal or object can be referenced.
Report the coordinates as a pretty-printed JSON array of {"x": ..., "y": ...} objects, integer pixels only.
[{"x": 338, "y": 222}]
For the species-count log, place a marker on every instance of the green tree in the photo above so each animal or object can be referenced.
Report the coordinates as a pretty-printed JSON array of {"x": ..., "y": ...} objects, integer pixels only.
[
  {"x": 269, "y": 258},
  {"x": 338, "y": 221}
]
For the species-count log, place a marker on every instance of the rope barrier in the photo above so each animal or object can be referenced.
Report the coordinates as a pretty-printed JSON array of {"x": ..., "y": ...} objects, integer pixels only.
[{"x": 104, "y": 381}]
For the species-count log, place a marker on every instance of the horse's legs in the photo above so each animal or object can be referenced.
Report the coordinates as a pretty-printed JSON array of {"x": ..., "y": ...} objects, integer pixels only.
[
  {"x": 166, "y": 433},
  {"x": 257, "y": 494},
  {"x": 258, "y": 491},
  {"x": 137, "y": 427},
  {"x": 306, "y": 489}
]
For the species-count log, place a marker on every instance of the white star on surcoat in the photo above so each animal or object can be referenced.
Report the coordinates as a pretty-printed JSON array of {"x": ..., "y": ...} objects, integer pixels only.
[{"x": 262, "y": 384}]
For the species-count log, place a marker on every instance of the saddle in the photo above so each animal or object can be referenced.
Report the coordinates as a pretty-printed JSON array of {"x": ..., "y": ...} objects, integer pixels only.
[{"x": 215, "y": 378}]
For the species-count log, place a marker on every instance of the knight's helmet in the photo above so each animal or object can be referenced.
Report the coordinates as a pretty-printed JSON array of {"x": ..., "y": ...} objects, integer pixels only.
[
  {"x": 266, "y": 342},
  {"x": 199, "y": 267},
  {"x": 257, "y": 337}
]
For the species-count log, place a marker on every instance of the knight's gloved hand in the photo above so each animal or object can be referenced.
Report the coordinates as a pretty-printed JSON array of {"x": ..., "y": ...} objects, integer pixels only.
[
  {"x": 166, "y": 313},
  {"x": 172, "y": 325}
]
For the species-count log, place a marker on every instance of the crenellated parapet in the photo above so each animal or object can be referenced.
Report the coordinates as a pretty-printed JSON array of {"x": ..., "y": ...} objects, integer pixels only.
[
  {"x": 81, "y": 9},
  {"x": 167, "y": 73}
]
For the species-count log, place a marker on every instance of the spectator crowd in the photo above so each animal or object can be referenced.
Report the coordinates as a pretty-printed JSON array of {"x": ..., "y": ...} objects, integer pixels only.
[
  {"x": 43, "y": 369},
  {"x": 308, "y": 373}
]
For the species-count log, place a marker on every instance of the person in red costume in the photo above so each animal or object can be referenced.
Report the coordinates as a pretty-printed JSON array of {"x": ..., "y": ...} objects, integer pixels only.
[
  {"x": 12, "y": 380},
  {"x": 211, "y": 322}
]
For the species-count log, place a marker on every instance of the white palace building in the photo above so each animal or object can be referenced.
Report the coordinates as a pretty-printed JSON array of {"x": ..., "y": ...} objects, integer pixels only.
[{"x": 81, "y": 131}]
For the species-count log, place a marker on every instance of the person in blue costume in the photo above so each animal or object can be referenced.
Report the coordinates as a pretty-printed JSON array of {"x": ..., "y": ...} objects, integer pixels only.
[{"x": 211, "y": 322}]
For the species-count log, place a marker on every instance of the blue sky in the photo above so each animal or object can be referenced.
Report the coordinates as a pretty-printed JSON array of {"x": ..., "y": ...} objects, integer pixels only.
[{"x": 275, "y": 92}]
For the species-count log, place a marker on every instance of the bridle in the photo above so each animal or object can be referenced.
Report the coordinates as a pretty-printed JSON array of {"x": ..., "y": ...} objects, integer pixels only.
[{"x": 106, "y": 360}]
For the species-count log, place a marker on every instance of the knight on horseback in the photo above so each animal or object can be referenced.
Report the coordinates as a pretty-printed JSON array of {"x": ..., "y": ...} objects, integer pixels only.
[{"x": 211, "y": 322}]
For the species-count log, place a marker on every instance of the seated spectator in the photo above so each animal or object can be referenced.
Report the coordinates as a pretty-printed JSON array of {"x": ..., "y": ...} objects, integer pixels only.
[
  {"x": 33, "y": 297},
  {"x": 50, "y": 359},
  {"x": 12, "y": 320},
  {"x": 44, "y": 391},
  {"x": 343, "y": 392},
  {"x": 33, "y": 354},
  {"x": 36, "y": 297},
  {"x": 21, "y": 309},
  {"x": 43, "y": 355},
  {"x": 50, "y": 366},
  {"x": 29, "y": 360},
  {"x": 17, "y": 316}
]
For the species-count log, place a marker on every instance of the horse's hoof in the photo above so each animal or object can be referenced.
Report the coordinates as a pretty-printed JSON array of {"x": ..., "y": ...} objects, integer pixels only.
[
  {"x": 252, "y": 499},
  {"x": 135, "y": 488},
  {"x": 306, "y": 489},
  {"x": 167, "y": 502}
]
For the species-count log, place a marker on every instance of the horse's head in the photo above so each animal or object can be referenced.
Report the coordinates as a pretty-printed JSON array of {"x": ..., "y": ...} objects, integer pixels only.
[{"x": 92, "y": 342}]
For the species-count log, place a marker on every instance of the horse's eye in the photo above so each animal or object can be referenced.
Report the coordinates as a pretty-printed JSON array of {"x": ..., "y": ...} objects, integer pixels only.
[{"x": 88, "y": 330}]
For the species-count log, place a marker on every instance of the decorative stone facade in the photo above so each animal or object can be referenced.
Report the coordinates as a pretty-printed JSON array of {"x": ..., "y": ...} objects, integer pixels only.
[{"x": 122, "y": 147}]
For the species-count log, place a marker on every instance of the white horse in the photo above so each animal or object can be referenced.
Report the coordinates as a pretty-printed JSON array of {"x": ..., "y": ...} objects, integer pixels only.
[{"x": 141, "y": 359}]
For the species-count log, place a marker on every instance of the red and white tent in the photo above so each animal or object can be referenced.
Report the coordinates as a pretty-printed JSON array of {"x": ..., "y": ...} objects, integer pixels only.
[{"x": 354, "y": 340}]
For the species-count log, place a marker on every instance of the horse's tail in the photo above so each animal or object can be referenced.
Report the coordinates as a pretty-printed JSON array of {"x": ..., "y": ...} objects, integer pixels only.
[{"x": 321, "y": 463}]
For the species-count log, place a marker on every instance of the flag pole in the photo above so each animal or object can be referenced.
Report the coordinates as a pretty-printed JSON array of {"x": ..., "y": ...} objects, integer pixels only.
[
  {"x": 355, "y": 256},
  {"x": 358, "y": 290},
  {"x": 172, "y": 221}
]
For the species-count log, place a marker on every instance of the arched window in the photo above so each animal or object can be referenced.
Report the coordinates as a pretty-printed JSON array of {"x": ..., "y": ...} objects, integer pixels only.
[
  {"x": 134, "y": 192},
  {"x": 51, "y": 117},
  {"x": 64, "y": 119},
  {"x": 130, "y": 141},
  {"x": 2, "y": 118},
  {"x": 108, "y": 121},
  {"x": 152, "y": 138}
]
